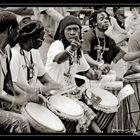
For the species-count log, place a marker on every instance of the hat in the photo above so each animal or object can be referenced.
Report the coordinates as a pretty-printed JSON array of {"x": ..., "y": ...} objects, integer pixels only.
[
  {"x": 27, "y": 26},
  {"x": 68, "y": 20}
]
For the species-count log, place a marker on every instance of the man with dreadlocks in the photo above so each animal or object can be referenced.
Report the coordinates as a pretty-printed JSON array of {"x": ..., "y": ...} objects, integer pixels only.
[
  {"x": 27, "y": 69},
  {"x": 64, "y": 59}
]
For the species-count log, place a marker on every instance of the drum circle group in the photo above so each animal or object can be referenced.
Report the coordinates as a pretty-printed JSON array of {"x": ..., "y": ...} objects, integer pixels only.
[{"x": 60, "y": 114}]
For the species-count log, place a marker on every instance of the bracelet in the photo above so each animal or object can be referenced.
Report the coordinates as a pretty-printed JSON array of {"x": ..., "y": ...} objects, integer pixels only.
[{"x": 70, "y": 51}]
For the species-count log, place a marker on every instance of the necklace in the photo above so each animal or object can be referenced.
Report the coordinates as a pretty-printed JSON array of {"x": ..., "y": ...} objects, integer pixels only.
[
  {"x": 30, "y": 65},
  {"x": 100, "y": 49}
]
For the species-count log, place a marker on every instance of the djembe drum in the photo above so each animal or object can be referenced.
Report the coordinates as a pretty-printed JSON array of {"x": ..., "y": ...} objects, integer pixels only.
[
  {"x": 120, "y": 123},
  {"x": 41, "y": 119},
  {"x": 67, "y": 109},
  {"x": 134, "y": 101},
  {"x": 104, "y": 103}
]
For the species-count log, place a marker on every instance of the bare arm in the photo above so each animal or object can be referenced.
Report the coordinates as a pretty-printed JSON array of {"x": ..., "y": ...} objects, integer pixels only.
[
  {"x": 16, "y": 99},
  {"x": 61, "y": 57},
  {"x": 91, "y": 61},
  {"x": 53, "y": 13},
  {"x": 131, "y": 56},
  {"x": 90, "y": 74},
  {"x": 20, "y": 10},
  {"x": 48, "y": 84}
]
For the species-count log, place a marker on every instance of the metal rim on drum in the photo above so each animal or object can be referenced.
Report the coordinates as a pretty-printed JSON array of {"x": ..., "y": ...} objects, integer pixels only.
[
  {"x": 65, "y": 107},
  {"x": 47, "y": 123},
  {"x": 112, "y": 103}
]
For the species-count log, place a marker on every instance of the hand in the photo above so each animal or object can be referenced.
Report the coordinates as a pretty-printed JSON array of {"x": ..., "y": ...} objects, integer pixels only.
[
  {"x": 105, "y": 68},
  {"x": 21, "y": 99},
  {"x": 98, "y": 74},
  {"x": 50, "y": 86},
  {"x": 76, "y": 43}
]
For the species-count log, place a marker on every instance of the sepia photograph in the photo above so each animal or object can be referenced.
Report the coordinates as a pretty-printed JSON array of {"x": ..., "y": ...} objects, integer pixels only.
[{"x": 70, "y": 69}]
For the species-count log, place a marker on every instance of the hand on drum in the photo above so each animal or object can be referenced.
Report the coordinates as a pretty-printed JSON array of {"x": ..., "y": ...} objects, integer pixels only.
[
  {"x": 50, "y": 86},
  {"x": 21, "y": 99},
  {"x": 105, "y": 68}
]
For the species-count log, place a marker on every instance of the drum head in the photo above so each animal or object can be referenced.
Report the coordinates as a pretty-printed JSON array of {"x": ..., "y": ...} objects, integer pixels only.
[
  {"x": 43, "y": 118},
  {"x": 113, "y": 85},
  {"x": 66, "y": 106},
  {"x": 108, "y": 99},
  {"x": 133, "y": 76}
]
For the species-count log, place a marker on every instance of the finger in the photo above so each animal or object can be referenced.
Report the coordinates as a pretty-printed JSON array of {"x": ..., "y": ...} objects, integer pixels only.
[{"x": 77, "y": 37}]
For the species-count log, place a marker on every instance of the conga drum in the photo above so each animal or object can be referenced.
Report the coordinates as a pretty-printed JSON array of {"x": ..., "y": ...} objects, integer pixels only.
[
  {"x": 41, "y": 119},
  {"x": 67, "y": 109},
  {"x": 134, "y": 101},
  {"x": 120, "y": 123},
  {"x": 104, "y": 103}
]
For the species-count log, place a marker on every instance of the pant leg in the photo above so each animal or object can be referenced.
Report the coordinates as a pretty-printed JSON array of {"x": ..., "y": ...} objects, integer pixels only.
[{"x": 11, "y": 122}]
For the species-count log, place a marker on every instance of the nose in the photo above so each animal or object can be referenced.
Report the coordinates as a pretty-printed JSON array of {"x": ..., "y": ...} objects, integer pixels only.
[{"x": 72, "y": 31}]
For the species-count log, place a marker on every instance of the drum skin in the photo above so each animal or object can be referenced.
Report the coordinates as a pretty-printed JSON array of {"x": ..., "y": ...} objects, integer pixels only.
[
  {"x": 67, "y": 109},
  {"x": 109, "y": 103},
  {"x": 42, "y": 119}
]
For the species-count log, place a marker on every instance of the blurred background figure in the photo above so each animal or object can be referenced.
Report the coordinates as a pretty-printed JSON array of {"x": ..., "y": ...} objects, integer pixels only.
[
  {"x": 50, "y": 17},
  {"x": 132, "y": 22},
  {"x": 114, "y": 30}
]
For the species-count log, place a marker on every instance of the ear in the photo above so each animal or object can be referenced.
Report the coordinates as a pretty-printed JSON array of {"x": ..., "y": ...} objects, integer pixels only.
[{"x": 10, "y": 29}]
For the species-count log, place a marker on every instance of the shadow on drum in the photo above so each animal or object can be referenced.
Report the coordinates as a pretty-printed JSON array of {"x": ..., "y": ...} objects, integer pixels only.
[
  {"x": 68, "y": 110},
  {"x": 120, "y": 123},
  {"x": 105, "y": 108},
  {"x": 133, "y": 102}
]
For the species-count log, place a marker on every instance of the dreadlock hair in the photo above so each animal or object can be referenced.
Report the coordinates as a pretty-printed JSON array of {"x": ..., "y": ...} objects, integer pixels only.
[
  {"x": 29, "y": 28},
  {"x": 93, "y": 17},
  {"x": 7, "y": 19}
]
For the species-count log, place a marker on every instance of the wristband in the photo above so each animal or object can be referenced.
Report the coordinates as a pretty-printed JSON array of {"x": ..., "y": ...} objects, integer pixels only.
[{"x": 70, "y": 51}]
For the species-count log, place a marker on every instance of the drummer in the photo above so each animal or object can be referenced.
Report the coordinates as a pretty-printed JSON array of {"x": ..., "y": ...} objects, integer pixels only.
[
  {"x": 99, "y": 49},
  {"x": 10, "y": 122},
  {"x": 27, "y": 69},
  {"x": 64, "y": 59}
]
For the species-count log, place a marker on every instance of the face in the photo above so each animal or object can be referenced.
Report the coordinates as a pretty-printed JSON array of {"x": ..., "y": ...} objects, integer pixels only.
[
  {"x": 102, "y": 21},
  {"x": 13, "y": 35},
  {"x": 135, "y": 11},
  {"x": 38, "y": 40},
  {"x": 109, "y": 10},
  {"x": 71, "y": 31}
]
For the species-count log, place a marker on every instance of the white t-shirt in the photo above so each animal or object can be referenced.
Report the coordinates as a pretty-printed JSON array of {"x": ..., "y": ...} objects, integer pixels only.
[
  {"x": 19, "y": 69},
  {"x": 56, "y": 71}
]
